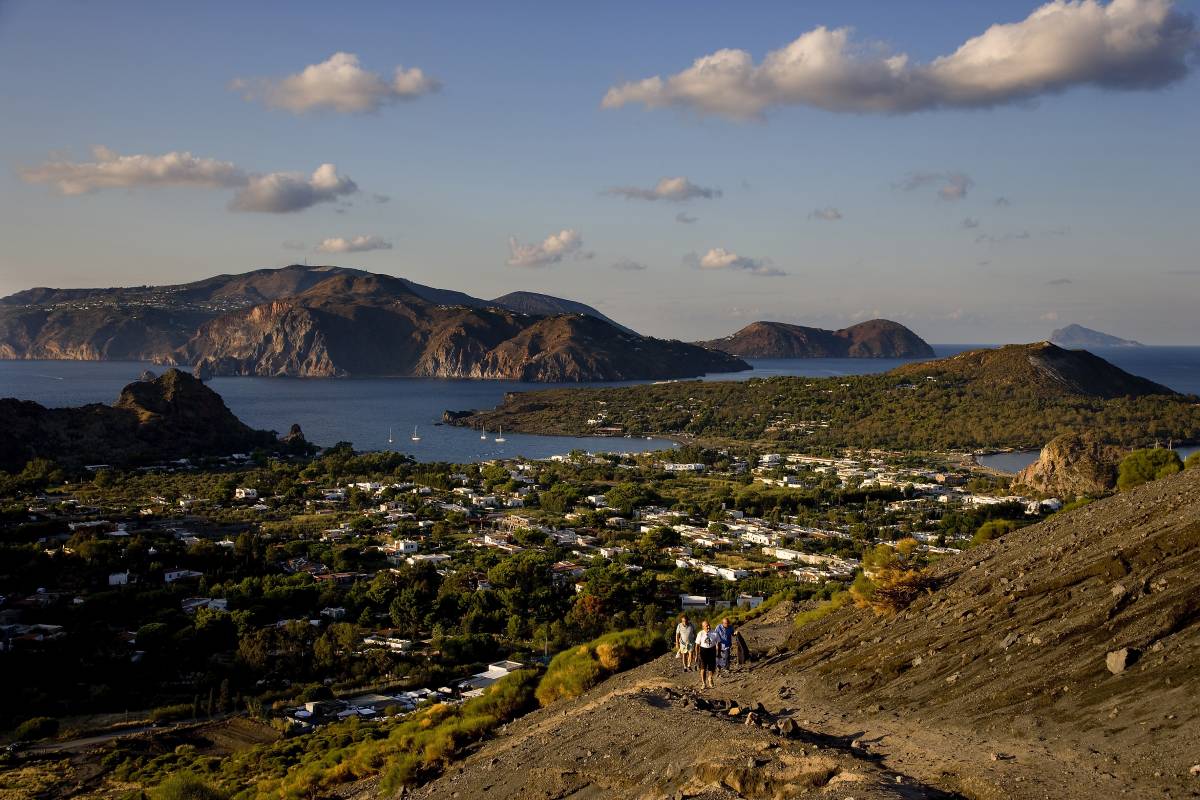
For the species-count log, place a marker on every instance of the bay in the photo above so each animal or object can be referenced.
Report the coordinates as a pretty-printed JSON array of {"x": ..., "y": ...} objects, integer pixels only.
[{"x": 362, "y": 411}]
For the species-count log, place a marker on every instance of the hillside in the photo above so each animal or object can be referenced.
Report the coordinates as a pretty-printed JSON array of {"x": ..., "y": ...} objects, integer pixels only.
[
  {"x": 173, "y": 416},
  {"x": 1043, "y": 368},
  {"x": 1062, "y": 660},
  {"x": 548, "y": 305},
  {"x": 334, "y": 321},
  {"x": 365, "y": 324},
  {"x": 877, "y": 338},
  {"x": 1020, "y": 396},
  {"x": 1077, "y": 336}
]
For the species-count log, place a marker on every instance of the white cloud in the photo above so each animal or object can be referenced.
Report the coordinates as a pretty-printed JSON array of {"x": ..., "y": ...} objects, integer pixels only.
[
  {"x": 684, "y": 218},
  {"x": 951, "y": 185},
  {"x": 720, "y": 258},
  {"x": 829, "y": 214},
  {"x": 629, "y": 265},
  {"x": 1125, "y": 44},
  {"x": 113, "y": 171},
  {"x": 356, "y": 244},
  {"x": 676, "y": 190},
  {"x": 283, "y": 192},
  {"x": 276, "y": 192},
  {"x": 551, "y": 250},
  {"x": 337, "y": 84}
]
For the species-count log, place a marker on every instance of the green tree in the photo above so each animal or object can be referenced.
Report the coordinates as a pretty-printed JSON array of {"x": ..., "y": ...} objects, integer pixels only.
[{"x": 1143, "y": 466}]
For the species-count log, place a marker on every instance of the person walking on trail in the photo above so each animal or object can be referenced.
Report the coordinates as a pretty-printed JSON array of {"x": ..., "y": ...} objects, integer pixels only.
[
  {"x": 706, "y": 648},
  {"x": 724, "y": 644},
  {"x": 685, "y": 635}
]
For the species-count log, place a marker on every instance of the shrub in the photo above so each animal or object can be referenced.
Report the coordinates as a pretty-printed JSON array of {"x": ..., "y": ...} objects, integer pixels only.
[
  {"x": 993, "y": 529},
  {"x": 1193, "y": 461},
  {"x": 572, "y": 672},
  {"x": 36, "y": 728},
  {"x": 1143, "y": 466},
  {"x": 171, "y": 713},
  {"x": 186, "y": 786},
  {"x": 822, "y": 610},
  {"x": 892, "y": 590}
]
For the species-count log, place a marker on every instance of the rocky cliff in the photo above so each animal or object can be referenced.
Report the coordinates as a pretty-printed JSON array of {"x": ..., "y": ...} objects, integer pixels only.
[
  {"x": 170, "y": 417},
  {"x": 1072, "y": 465},
  {"x": 877, "y": 338},
  {"x": 374, "y": 325},
  {"x": 333, "y": 321}
]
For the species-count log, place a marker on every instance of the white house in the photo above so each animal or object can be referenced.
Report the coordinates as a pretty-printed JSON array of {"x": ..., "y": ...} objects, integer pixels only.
[
  {"x": 245, "y": 493},
  {"x": 172, "y": 575},
  {"x": 119, "y": 578}
]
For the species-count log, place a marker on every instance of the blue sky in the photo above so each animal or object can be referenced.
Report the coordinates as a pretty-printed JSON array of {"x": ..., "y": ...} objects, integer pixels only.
[{"x": 1097, "y": 225}]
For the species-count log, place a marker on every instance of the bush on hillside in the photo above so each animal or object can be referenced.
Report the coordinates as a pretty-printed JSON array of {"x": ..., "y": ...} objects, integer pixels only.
[
  {"x": 186, "y": 786},
  {"x": 993, "y": 529},
  {"x": 572, "y": 672},
  {"x": 1143, "y": 466},
  {"x": 1193, "y": 461},
  {"x": 36, "y": 728}
]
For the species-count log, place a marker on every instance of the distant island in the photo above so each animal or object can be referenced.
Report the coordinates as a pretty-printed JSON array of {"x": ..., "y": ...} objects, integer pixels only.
[
  {"x": 877, "y": 338},
  {"x": 1077, "y": 336},
  {"x": 330, "y": 321}
]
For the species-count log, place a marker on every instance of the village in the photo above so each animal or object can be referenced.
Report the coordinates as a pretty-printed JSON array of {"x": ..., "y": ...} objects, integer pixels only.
[{"x": 515, "y": 558}]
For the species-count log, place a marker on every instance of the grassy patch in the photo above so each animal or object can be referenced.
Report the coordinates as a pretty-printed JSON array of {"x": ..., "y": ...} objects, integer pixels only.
[{"x": 572, "y": 672}]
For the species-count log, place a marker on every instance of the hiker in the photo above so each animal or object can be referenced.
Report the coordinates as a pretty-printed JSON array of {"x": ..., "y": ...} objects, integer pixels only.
[
  {"x": 706, "y": 649},
  {"x": 740, "y": 650},
  {"x": 724, "y": 644},
  {"x": 685, "y": 635}
]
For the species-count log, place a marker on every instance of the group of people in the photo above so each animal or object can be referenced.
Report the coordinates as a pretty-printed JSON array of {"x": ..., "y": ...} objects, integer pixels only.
[{"x": 708, "y": 649}]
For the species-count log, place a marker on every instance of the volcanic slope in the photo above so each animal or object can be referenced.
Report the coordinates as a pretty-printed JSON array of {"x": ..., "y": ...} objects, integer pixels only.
[{"x": 997, "y": 684}]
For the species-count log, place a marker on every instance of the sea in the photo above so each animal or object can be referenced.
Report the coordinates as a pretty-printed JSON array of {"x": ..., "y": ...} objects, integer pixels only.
[{"x": 366, "y": 412}]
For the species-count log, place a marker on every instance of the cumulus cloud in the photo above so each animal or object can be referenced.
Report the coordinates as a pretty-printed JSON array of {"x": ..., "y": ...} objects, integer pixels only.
[
  {"x": 284, "y": 192},
  {"x": 829, "y": 214},
  {"x": 337, "y": 84},
  {"x": 718, "y": 258},
  {"x": 629, "y": 265},
  {"x": 951, "y": 185},
  {"x": 272, "y": 192},
  {"x": 112, "y": 171},
  {"x": 551, "y": 250},
  {"x": 356, "y": 244},
  {"x": 677, "y": 190},
  {"x": 969, "y": 222},
  {"x": 1125, "y": 44},
  {"x": 684, "y": 218}
]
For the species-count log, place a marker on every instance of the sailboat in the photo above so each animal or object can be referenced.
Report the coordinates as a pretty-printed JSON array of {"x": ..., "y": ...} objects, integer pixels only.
[
  {"x": 390, "y": 439},
  {"x": 500, "y": 438},
  {"x": 415, "y": 437},
  {"x": 483, "y": 436}
]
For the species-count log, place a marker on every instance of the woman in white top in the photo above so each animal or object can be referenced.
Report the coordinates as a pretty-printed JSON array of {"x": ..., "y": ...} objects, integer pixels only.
[{"x": 706, "y": 647}]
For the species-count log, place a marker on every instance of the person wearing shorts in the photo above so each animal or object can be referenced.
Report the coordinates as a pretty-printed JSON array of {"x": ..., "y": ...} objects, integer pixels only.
[{"x": 685, "y": 634}]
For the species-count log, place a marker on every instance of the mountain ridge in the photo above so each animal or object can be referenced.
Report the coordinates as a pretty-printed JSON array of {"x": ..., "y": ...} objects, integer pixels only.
[{"x": 1077, "y": 336}]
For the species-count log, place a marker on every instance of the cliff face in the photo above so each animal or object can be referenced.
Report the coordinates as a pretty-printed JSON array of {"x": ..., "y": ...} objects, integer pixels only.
[
  {"x": 173, "y": 416},
  {"x": 367, "y": 326},
  {"x": 332, "y": 322},
  {"x": 877, "y": 338},
  {"x": 1073, "y": 464}
]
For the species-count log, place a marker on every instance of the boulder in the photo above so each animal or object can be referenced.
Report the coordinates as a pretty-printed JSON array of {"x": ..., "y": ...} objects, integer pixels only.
[{"x": 1073, "y": 464}]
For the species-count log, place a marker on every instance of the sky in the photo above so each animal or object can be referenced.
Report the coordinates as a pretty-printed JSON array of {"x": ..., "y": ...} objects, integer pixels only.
[{"x": 981, "y": 172}]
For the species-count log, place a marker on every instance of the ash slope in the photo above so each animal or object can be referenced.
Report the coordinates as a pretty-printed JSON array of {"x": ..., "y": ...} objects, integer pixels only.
[{"x": 996, "y": 685}]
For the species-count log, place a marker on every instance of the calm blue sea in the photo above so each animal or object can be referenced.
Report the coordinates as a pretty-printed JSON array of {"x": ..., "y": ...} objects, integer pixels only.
[{"x": 363, "y": 411}]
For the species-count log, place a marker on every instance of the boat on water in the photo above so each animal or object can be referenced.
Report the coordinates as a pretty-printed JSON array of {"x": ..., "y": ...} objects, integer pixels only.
[
  {"x": 500, "y": 438},
  {"x": 483, "y": 436},
  {"x": 416, "y": 437},
  {"x": 390, "y": 439}
]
